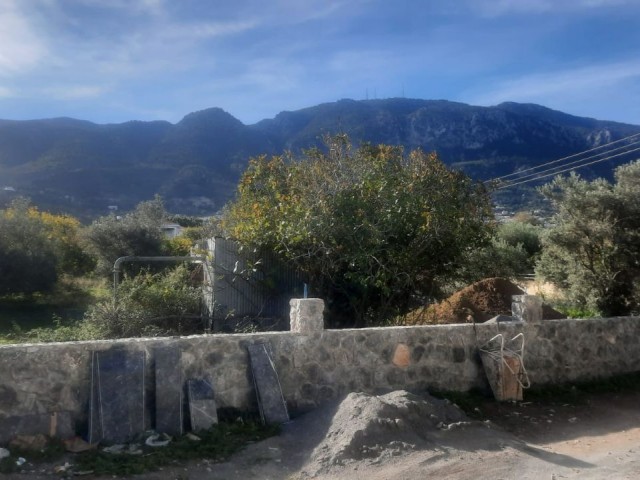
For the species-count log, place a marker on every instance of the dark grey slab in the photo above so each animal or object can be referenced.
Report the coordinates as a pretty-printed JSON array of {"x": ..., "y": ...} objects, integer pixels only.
[
  {"x": 95, "y": 427},
  {"x": 168, "y": 368},
  {"x": 273, "y": 408},
  {"x": 121, "y": 394},
  {"x": 203, "y": 411},
  {"x": 56, "y": 425}
]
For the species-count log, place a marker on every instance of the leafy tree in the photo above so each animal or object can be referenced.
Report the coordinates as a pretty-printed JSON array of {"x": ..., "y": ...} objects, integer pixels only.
[
  {"x": 369, "y": 226},
  {"x": 526, "y": 235},
  {"x": 136, "y": 233},
  {"x": 63, "y": 231},
  {"x": 496, "y": 259},
  {"x": 28, "y": 260},
  {"x": 593, "y": 251}
]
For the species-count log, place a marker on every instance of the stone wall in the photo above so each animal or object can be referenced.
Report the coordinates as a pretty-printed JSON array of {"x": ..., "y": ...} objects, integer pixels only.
[{"x": 39, "y": 380}]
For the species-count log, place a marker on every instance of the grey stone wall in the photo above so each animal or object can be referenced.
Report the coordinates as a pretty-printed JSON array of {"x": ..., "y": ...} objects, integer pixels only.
[{"x": 49, "y": 378}]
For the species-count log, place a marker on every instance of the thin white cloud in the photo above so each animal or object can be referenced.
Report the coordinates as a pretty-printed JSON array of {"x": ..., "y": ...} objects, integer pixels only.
[
  {"x": 204, "y": 30},
  {"x": 145, "y": 7},
  {"x": 75, "y": 92},
  {"x": 20, "y": 47},
  {"x": 6, "y": 92},
  {"x": 503, "y": 7},
  {"x": 583, "y": 81}
]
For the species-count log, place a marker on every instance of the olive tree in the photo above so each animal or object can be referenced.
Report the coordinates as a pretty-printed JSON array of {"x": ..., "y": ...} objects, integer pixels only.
[
  {"x": 135, "y": 233},
  {"x": 28, "y": 261},
  {"x": 593, "y": 249}
]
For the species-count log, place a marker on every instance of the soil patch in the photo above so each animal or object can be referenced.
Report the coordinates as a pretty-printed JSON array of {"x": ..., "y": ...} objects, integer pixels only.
[
  {"x": 478, "y": 302},
  {"x": 368, "y": 429}
]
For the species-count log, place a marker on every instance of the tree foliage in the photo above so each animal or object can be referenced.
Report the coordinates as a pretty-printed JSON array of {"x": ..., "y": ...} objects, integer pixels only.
[
  {"x": 370, "y": 226},
  {"x": 593, "y": 251},
  {"x": 526, "y": 235},
  {"x": 28, "y": 262},
  {"x": 136, "y": 233}
]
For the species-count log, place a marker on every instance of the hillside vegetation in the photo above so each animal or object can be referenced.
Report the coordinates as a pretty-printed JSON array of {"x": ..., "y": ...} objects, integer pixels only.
[{"x": 78, "y": 167}]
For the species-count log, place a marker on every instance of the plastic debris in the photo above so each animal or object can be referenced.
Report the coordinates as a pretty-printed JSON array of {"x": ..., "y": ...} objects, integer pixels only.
[
  {"x": 21, "y": 461},
  {"x": 154, "y": 440},
  {"x": 192, "y": 437},
  {"x": 117, "y": 448},
  {"x": 4, "y": 453},
  {"x": 62, "y": 468},
  {"x": 134, "y": 449}
]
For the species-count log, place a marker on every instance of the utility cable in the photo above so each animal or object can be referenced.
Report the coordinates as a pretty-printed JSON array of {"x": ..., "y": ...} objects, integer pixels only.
[
  {"x": 575, "y": 162},
  {"x": 565, "y": 170},
  {"x": 565, "y": 158}
]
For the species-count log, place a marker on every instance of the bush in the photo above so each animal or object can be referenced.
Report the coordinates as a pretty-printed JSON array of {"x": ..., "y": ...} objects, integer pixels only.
[
  {"x": 136, "y": 233},
  {"x": 165, "y": 303}
]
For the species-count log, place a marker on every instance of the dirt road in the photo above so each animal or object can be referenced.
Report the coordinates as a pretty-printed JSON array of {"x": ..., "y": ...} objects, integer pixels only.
[{"x": 599, "y": 439}]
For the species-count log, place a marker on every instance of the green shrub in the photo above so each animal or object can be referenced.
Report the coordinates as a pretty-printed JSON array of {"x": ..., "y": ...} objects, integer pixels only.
[{"x": 148, "y": 304}]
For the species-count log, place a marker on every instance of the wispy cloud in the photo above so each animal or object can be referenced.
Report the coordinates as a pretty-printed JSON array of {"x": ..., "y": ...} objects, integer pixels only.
[
  {"x": 591, "y": 80},
  {"x": 202, "y": 30},
  {"x": 74, "y": 92},
  {"x": 6, "y": 92},
  {"x": 20, "y": 47},
  {"x": 504, "y": 7}
]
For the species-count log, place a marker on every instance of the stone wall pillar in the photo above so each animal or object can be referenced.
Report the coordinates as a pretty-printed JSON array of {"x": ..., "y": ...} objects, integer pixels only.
[
  {"x": 306, "y": 315},
  {"x": 527, "y": 308}
]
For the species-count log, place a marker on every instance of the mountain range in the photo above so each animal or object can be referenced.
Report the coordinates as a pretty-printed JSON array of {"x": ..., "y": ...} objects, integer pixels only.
[{"x": 83, "y": 168}]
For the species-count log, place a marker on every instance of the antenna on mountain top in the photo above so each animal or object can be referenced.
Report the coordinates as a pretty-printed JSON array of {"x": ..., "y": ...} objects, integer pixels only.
[{"x": 367, "y": 96}]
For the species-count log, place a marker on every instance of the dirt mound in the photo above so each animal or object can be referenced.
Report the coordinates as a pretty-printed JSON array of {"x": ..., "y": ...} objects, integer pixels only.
[
  {"x": 478, "y": 302},
  {"x": 367, "y": 427}
]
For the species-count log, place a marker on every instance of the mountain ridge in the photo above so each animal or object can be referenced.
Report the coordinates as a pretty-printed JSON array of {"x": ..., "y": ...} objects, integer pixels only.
[{"x": 83, "y": 167}]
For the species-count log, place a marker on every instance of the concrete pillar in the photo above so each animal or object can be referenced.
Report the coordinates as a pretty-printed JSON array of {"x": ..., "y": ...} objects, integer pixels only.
[
  {"x": 527, "y": 308},
  {"x": 306, "y": 315}
]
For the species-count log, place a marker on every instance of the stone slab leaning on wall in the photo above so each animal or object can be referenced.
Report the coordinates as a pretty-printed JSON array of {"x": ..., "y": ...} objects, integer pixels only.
[{"x": 314, "y": 368}]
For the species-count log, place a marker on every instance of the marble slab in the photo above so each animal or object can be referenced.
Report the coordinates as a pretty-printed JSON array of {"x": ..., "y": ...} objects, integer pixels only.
[
  {"x": 169, "y": 387},
  {"x": 273, "y": 408},
  {"x": 203, "y": 411},
  {"x": 95, "y": 426},
  {"x": 121, "y": 394}
]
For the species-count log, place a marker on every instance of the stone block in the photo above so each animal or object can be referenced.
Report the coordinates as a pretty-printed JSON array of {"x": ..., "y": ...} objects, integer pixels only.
[
  {"x": 121, "y": 393},
  {"x": 273, "y": 408},
  {"x": 203, "y": 410},
  {"x": 306, "y": 315},
  {"x": 527, "y": 308},
  {"x": 168, "y": 390}
]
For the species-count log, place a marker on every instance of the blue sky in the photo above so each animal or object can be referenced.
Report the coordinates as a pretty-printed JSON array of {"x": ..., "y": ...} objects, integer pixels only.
[{"x": 117, "y": 60}]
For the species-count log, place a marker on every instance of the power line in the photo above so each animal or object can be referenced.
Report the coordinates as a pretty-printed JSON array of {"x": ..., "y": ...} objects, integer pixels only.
[
  {"x": 564, "y": 158},
  {"x": 566, "y": 170},
  {"x": 575, "y": 162}
]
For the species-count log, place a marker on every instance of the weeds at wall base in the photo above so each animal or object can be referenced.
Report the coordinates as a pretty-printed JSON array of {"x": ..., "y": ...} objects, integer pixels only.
[
  {"x": 574, "y": 393},
  {"x": 215, "y": 445}
]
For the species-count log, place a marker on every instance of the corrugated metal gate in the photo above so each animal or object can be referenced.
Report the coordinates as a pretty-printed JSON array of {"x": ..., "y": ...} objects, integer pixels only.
[{"x": 248, "y": 284}]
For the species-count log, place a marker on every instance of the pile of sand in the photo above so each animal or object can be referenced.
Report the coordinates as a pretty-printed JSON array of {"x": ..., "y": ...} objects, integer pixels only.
[
  {"x": 371, "y": 428},
  {"x": 478, "y": 302}
]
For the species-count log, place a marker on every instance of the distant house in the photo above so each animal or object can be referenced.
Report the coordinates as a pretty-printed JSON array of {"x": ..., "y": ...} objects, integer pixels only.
[{"x": 171, "y": 230}]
